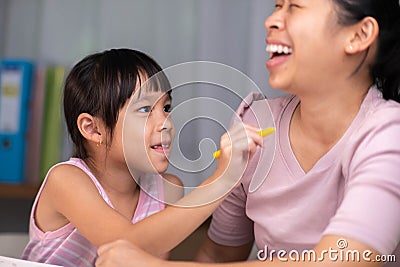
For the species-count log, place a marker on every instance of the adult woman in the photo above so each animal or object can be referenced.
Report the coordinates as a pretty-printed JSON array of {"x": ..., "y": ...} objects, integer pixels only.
[{"x": 335, "y": 175}]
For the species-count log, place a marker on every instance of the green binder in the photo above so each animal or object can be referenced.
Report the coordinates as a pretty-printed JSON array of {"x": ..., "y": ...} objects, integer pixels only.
[{"x": 52, "y": 131}]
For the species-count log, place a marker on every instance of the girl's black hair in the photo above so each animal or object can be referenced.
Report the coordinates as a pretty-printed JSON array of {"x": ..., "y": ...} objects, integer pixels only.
[
  {"x": 101, "y": 84},
  {"x": 386, "y": 67}
]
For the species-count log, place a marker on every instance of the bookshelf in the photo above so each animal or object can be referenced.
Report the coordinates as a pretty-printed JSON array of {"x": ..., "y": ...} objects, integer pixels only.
[
  {"x": 44, "y": 123},
  {"x": 15, "y": 206}
]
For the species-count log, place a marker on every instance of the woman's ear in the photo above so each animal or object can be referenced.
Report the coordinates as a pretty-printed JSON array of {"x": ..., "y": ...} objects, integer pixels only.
[
  {"x": 362, "y": 35},
  {"x": 89, "y": 127}
]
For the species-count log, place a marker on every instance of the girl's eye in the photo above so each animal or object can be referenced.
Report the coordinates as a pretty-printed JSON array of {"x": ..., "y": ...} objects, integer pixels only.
[
  {"x": 167, "y": 108},
  {"x": 278, "y": 6},
  {"x": 145, "y": 109}
]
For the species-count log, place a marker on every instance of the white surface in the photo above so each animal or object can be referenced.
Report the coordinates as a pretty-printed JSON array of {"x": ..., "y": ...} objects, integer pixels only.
[
  {"x": 13, "y": 244},
  {"x": 7, "y": 261}
]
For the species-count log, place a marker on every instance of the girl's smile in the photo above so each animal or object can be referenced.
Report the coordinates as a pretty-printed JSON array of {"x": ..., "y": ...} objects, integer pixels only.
[{"x": 162, "y": 147}]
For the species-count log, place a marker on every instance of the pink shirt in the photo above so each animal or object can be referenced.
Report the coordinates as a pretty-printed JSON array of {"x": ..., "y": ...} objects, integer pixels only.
[
  {"x": 67, "y": 246},
  {"x": 352, "y": 191}
]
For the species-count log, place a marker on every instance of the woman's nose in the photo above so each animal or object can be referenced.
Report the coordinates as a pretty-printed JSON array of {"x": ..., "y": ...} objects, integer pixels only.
[{"x": 274, "y": 21}]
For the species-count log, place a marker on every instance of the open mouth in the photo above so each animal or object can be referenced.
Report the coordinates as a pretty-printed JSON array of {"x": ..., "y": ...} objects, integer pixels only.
[
  {"x": 162, "y": 148},
  {"x": 276, "y": 50}
]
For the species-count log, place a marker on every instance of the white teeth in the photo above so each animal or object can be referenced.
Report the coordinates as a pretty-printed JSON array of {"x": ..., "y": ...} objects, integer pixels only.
[
  {"x": 286, "y": 50},
  {"x": 274, "y": 48},
  {"x": 163, "y": 146}
]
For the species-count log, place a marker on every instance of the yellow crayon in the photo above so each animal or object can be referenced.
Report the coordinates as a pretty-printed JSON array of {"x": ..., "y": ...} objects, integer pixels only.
[{"x": 263, "y": 133}]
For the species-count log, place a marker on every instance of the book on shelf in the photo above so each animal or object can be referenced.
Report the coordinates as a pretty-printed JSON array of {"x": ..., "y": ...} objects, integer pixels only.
[
  {"x": 15, "y": 91},
  {"x": 52, "y": 129},
  {"x": 33, "y": 134}
]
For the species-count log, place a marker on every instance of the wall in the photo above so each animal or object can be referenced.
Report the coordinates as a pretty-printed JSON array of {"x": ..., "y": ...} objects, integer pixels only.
[{"x": 175, "y": 31}]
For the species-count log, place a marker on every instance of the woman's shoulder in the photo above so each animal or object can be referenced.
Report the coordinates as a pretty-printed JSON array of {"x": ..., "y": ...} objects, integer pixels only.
[
  {"x": 380, "y": 112},
  {"x": 377, "y": 131},
  {"x": 255, "y": 98},
  {"x": 389, "y": 107},
  {"x": 376, "y": 105},
  {"x": 255, "y": 105}
]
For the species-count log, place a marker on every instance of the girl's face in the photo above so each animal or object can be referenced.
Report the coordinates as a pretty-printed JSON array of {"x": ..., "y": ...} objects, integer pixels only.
[
  {"x": 147, "y": 131},
  {"x": 305, "y": 44}
]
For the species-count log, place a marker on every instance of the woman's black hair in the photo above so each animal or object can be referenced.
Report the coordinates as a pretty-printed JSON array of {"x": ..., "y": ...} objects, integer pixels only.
[
  {"x": 385, "y": 70},
  {"x": 101, "y": 84}
]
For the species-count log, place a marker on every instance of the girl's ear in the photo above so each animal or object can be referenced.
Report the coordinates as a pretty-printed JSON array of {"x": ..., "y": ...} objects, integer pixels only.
[
  {"x": 362, "y": 35},
  {"x": 89, "y": 127}
]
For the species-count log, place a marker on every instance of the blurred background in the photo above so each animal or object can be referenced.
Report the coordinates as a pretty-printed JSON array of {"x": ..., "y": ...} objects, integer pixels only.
[
  {"x": 58, "y": 33},
  {"x": 172, "y": 31}
]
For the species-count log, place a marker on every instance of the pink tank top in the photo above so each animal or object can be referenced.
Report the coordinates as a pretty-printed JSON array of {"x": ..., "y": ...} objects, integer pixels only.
[{"x": 67, "y": 246}]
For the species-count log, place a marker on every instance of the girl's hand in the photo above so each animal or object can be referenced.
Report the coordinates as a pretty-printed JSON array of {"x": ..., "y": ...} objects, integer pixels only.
[{"x": 237, "y": 147}]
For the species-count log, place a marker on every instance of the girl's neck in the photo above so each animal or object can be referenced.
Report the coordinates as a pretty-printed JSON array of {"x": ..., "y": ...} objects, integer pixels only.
[
  {"x": 119, "y": 185},
  {"x": 115, "y": 179}
]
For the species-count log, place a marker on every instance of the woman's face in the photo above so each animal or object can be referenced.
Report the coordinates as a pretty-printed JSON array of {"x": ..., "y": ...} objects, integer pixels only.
[{"x": 305, "y": 44}]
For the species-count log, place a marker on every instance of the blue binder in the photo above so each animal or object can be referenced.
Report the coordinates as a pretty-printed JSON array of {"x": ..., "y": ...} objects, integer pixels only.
[{"x": 15, "y": 87}]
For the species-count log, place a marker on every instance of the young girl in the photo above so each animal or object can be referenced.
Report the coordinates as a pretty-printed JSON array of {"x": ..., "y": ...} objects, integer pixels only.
[
  {"x": 95, "y": 197},
  {"x": 332, "y": 196}
]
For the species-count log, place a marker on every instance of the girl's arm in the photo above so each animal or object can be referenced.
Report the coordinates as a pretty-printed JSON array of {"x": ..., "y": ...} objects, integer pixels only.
[
  {"x": 124, "y": 253},
  {"x": 76, "y": 198}
]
